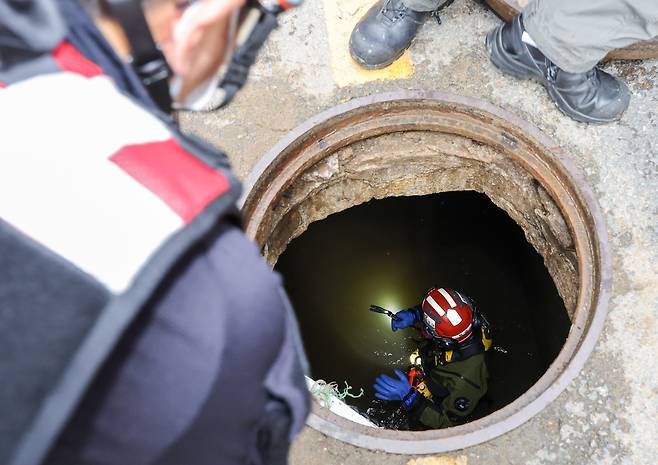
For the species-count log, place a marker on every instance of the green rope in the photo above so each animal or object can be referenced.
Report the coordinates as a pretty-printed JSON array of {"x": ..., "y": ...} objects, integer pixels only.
[{"x": 324, "y": 392}]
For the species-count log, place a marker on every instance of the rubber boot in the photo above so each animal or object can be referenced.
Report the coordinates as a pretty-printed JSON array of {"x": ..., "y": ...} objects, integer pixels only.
[
  {"x": 384, "y": 33},
  {"x": 590, "y": 97}
]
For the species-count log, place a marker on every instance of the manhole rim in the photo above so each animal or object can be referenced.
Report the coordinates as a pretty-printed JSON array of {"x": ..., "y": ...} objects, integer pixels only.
[{"x": 581, "y": 340}]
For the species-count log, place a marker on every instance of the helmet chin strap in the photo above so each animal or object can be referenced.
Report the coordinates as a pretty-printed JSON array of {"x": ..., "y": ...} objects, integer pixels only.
[
  {"x": 152, "y": 69},
  {"x": 147, "y": 59},
  {"x": 245, "y": 55}
]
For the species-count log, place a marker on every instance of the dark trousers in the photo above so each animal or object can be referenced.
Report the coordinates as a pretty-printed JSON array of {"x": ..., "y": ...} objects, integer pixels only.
[{"x": 575, "y": 34}]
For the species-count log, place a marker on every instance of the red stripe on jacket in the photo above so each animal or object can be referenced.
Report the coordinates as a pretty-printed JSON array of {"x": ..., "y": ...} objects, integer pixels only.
[
  {"x": 69, "y": 59},
  {"x": 181, "y": 181}
]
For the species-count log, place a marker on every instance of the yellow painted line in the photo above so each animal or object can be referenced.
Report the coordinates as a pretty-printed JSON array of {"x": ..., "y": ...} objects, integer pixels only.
[
  {"x": 341, "y": 16},
  {"x": 440, "y": 460}
]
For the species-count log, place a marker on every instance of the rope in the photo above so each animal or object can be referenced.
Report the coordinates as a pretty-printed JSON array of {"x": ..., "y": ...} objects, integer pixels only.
[{"x": 325, "y": 392}]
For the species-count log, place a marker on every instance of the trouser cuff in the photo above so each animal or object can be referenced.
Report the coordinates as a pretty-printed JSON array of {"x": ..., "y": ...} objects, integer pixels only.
[
  {"x": 424, "y": 5},
  {"x": 539, "y": 24}
]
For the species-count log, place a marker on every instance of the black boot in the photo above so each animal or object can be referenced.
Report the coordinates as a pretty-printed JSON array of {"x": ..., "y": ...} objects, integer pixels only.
[
  {"x": 590, "y": 97},
  {"x": 384, "y": 33}
]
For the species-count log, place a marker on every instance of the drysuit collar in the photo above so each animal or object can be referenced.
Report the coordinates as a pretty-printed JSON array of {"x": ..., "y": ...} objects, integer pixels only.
[{"x": 470, "y": 346}]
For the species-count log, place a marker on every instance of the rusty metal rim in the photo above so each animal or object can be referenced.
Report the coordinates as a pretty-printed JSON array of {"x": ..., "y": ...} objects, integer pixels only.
[{"x": 407, "y": 110}]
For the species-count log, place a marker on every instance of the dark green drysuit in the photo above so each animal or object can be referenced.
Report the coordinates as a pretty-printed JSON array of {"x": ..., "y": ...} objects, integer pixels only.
[{"x": 456, "y": 386}]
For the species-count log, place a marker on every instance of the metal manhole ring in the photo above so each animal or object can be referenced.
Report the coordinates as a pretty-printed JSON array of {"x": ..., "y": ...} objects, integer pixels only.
[{"x": 379, "y": 114}]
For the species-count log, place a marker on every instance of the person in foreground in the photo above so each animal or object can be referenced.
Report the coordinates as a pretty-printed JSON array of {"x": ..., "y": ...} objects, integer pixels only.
[{"x": 138, "y": 324}]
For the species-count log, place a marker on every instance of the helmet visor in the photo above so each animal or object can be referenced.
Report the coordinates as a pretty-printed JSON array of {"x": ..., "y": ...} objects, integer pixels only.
[{"x": 430, "y": 325}]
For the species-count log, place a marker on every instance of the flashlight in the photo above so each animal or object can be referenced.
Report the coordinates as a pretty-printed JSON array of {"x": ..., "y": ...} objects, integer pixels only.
[{"x": 378, "y": 309}]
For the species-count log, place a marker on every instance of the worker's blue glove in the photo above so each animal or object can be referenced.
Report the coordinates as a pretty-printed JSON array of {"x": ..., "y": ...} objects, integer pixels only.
[
  {"x": 406, "y": 318},
  {"x": 387, "y": 388}
]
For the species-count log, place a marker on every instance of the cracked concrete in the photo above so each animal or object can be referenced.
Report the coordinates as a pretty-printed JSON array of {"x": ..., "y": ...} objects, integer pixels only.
[{"x": 609, "y": 414}]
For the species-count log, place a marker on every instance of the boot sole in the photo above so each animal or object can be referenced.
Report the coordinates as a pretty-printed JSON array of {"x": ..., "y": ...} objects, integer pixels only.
[
  {"x": 361, "y": 63},
  {"x": 501, "y": 60},
  {"x": 364, "y": 65}
]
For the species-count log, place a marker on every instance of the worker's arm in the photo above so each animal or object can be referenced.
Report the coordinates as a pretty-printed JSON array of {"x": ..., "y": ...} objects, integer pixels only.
[
  {"x": 446, "y": 409},
  {"x": 456, "y": 389},
  {"x": 428, "y": 413},
  {"x": 420, "y": 408}
]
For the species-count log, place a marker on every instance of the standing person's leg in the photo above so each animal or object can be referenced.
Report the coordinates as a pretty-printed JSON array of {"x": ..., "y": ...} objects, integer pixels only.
[
  {"x": 576, "y": 35},
  {"x": 388, "y": 28},
  {"x": 559, "y": 43},
  {"x": 424, "y": 5}
]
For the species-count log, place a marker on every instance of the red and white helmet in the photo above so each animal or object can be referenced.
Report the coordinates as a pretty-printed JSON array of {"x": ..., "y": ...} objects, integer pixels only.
[{"x": 447, "y": 314}]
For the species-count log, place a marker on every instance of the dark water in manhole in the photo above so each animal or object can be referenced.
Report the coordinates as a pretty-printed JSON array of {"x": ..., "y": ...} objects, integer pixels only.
[{"x": 389, "y": 252}]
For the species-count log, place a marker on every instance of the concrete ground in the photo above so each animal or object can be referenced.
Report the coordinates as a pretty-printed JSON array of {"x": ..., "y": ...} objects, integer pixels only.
[{"x": 609, "y": 414}]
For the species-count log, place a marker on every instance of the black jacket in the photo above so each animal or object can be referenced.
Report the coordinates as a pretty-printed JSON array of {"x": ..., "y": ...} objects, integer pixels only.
[{"x": 222, "y": 402}]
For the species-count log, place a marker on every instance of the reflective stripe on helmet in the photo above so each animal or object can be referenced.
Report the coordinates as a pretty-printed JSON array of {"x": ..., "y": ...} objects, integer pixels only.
[
  {"x": 464, "y": 300},
  {"x": 435, "y": 306},
  {"x": 463, "y": 333},
  {"x": 447, "y": 314},
  {"x": 454, "y": 317},
  {"x": 448, "y": 298}
]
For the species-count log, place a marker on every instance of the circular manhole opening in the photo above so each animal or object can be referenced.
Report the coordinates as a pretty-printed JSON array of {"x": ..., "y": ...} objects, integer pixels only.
[
  {"x": 389, "y": 252},
  {"x": 418, "y": 145}
]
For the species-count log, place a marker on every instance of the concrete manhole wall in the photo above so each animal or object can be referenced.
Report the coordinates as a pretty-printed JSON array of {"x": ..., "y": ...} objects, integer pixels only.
[
  {"x": 421, "y": 163},
  {"x": 422, "y": 143}
]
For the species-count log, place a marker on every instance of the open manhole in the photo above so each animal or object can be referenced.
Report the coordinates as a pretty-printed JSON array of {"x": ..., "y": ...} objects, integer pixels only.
[
  {"x": 454, "y": 164},
  {"x": 388, "y": 252}
]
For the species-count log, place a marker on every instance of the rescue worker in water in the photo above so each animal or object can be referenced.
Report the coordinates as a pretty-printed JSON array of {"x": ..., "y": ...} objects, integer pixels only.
[{"x": 451, "y": 358}]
